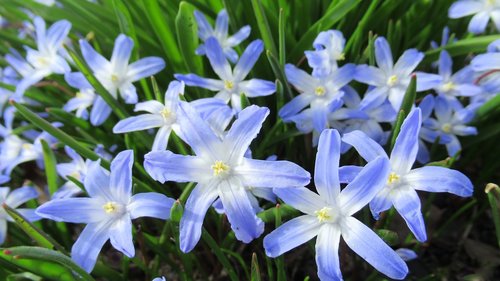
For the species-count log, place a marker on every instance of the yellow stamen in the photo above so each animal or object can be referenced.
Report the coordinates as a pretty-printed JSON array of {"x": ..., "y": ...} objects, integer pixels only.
[
  {"x": 110, "y": 207},
  {"x": 392, "y": 80},
  {"x": 219, "y": 168},
  {"x": 323, "y": 214},
  {"x": 446, "y": 128},
  {"x": 114, "y": 78},
  {"x": 320, "y": 91},
  {"x": 165, "y": 113},
  {"x": 393, "y": 177},
  {"x": 79, "y": 95},
  {"x": 448, "y": 86},
  {"x": 27, "y": 146},
  {"x": 341, "y": 56},
  {"x": 228, "y": 85}
]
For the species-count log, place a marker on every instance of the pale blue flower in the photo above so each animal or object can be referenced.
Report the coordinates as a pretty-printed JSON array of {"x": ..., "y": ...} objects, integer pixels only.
[
  {"x": 231, "y": 86},
  {"x": 77, "y": 169},
  {"x": 426, "y": 108},
  {"x": 329, "y": 48},
  {"x": 205, "y": 31},
  {"x": 320, "y": 94},
  {"x": 46, "y": 59},
  {"x": 221, "y": 171},
  {"x": 15, "y": 199},
  {"x": 163, "y": 116},
  {"x": 7, "y": 76},
  {"x": 84, "y": 98},
  {"x": 117, "y": 75},
  {"x": 451, "y": 121},
  {"x": 390, "y": 80},
  {"x": 109, "y": 210},
  {"x": 406, "y": 254},
  {"x": 446, "y": 84},
  {"x": 329, "y": 215},
  {"x": 160, "y": 279},
  {"x": 482, "y": 10},
  {"x": 403, "y": 181}
]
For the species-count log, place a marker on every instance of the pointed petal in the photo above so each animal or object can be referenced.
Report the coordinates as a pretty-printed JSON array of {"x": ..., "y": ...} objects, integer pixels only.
[
  {"x": 381, "y": 202},
  {"x": 326, "y": 173},
  {"x": 479, "y": 22},
  {"x": 167, "y": 166},
  {"x": 445, "y": 64},
  {"x": 120, "y": 235},
  {"x": 204, "y": 28},
  {"x": 248, "y": 59},
  {"x": 440, "y": 179},
  {"x": 95, "y": 60},
  {"x": 364, "y": 145},
  {"x": 239, "y": 36},
  {"x": 299, "y": 78},
  {"x": 405, "y": 149},
  {"x": 57, "y": 33},
  {"x": 348, "y": 173},
  {"x": 100, "y": 112},
  {"x": 121, "y": 52},
  {"x": 121, "y": 175},
  {"x": 244, "y": 130},
  {"x": 200, "y": 199},
  {"x": 96, "y": 182},
  {"x": 407, "y": 203},
  {"x": 295, "y": 106},
  {"x": 427, "y": 81},
  {"x": 408, "y": 62},
  {"x": 464, "y": 8},
  {"x": 138, "y": 123},
  {"x": 3, "y": 231},
  {"x": 365, "y": 186},
  {"x": 370, "y": 75},
  {"x": 221, "y": 24},
  {"x": 245, "y": 224},
  {"x": 144, "y": 67},
  {"x": 161, "y": 139},
  {"x": 88, "y": 245},
  {"x": 262, "y": 173},
  {"x": 301, "y": 199},
  {"x": 150, "y": 204},
  {"x": 327, "y": 252},
  {"x": 29, "y": 214},
  {"x": 150, "y": 106},
  {"x": 383, "y": 54},
  {"x": 257, "y": 88},
  {"x": 75, "y": 210},
  {"x": 217, "y": 59},
  {"x": 21, "y": 195},
  {"x": 486, "y": 62},
  {"x": 371, "y": 248},
  {"x": 290, "y": 235}
]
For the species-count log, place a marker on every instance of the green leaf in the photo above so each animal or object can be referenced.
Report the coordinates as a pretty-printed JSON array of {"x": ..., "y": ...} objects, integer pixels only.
[
  {"x": 406, "y": 105},
  {"x": 493, "y": 192},
  {"x": 255, "y": 275},
  {"x": 50, "y": 167},
  {"x": 279, "y": 71},
  {"x": 187, "y": 36},
  {"x": 463, "y": 47},
  {"x": 280, "y": 262},
  {"x": 35, "y": 233},
  {"x": 212, "y": 244},
  {"x": 488, "y": 108},
  {"x": 264, "y": 28},
  {"x": 334, "y": 14},
  {"x": 269, "y": 215},
  {"x": 390, "y": 237},
  {"x": 44, "y": 262}
]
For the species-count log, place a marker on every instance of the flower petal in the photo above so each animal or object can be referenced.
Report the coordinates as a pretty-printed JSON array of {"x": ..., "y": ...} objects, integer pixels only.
[
  {"x": 406, "y": 146},
  {"x": 95, "y": 60},
  {"x": 120, "y": 235},
  {"x": 383, "y": 55},
  {"x": 464, "y": 8},
  {"x": 244, "y": 130},
  {"x": 21, "y": 195},
  {"x": 75, "y": 210},
  {"x": 248, "y": 59},
  {"x": 407, "y": 203},
  {"x": 262, "y": 173},
  {"x": 239, "y": 36},
  {"x": 408, "y": 62},
  {"x": 479, "y": 22},
  {"x": 257, "y": 88},
  {"x": 440, "y": 179},
  {"x": 327, "y": 252},
  {"x": 150, "y": 204},
  {"x": 161, "y": 138},
  {"x": 120, "y": 177},
  {"x": 217, "y": 59},
  {"x": 348, "y": 173},
  {"x": 96, "y": 182},
  {"x": 200, "y": 199},
  {"x": 121, "y": 52},
  {"x": 197, "y": 81},
  {"x": 221, "y": 24},
  {"x": 371, "y": 248},
  {"x": 138, "y": 123},
  {"x": 326, "y": 172},
  {"x": 88, "y": 245},
  {"x": 370, "y": 75},
  {"x": 364, "y": 145},
  {"x": 300, "y": 79},
  {"x": 239, "y": 211},
  {"x": 301, "y": 199},
  {"x": 167, "y": 166},
  {"x": 144, "y": 67},
  {"x": 290, "y": 235},
  {"x": 100, "y": 112},
  {"x": 365, "y": 186},
  {"x": 295, "y": 106}
]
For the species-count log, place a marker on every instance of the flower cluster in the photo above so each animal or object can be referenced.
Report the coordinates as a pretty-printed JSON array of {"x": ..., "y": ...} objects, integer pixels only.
[{"x": 222, "y": 132}]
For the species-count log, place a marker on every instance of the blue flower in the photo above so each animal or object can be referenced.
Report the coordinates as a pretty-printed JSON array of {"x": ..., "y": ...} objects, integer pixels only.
[
  {"x": 426, "y": 108},
  {"x": 163, "y": 116},
  {"x": 14, "y": 199},
  {"x": 320, "y": 94},
  {"x": 451, "y": 121},
  {"x": 205, "y": 31},
  {"x": 46, "y": 59},
  {"x": 109, "y": 210},
  {"x": 221, "y": 171},
  {"x": 116, "y": 75},
  {"x": 402, "y": 182},
  {"x": 77, "y": 169},
  {"x": 329, "y": 47},
  {"x": 329, "y": 215},
  {"x": 482, "y": 11},
  {"x": 447, "y": 85},
  {"x": 390, "y": 80},
  {"x": 231, "y": 86},
  {"x": 84, "y": 98}
]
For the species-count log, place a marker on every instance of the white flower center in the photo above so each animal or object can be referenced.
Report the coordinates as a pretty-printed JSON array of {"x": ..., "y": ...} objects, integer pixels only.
[
  {"x": 229, "y": 85},
  {"x": 112, "y": 207},
  {"x": 393, "y": 177},
  {"x": 220, "y": 168},
  {"x": 166, "y": 114},
  {"x": 114, "y": 78},
  {"x": 392, "y": 80},
  {"x": 448, "y": 86}
]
